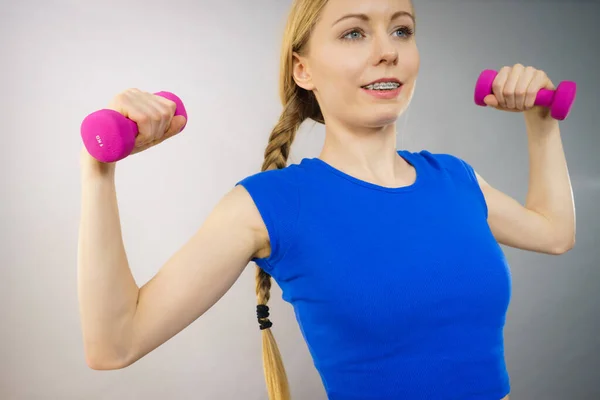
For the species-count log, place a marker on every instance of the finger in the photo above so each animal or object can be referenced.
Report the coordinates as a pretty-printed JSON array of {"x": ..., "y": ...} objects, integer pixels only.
[
  {"x": 142, "y": 119},
  {"x": 538, "y": 82},
  {"x": 522, "y": 86},
  {"x": 176, "y": 125},
  {"x": 491, "y": 100},
  {"x": 139, "y": 149},
  {"x": 133, "y": 101},
  {"x": 165, "y": 118},
  {"x": 511, "y": 85},
  {"x": 498, "y": 86},
  {"x": 156, "y": 115},
  {"x": 168, "y": 108}
]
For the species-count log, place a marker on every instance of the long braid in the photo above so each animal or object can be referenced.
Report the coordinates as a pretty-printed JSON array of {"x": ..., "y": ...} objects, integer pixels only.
[
  {"x": 298, "y": 105},
  {"x": 283, "y": 135},
  {"x": 276, "y": 156}
]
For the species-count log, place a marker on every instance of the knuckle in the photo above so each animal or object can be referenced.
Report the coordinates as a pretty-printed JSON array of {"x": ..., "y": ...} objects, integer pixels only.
[
  {"x": 142, "y": 118},
  {"x": 123, "y": 100},
  {"x": 120, "y": 98},
  {"x": 165, "y": 114},
  {"x": 172, "y": 106},
  {"x": 164, "y": 110},
  {"x": 169, "y": 104},
  {"x": 131, "y": 92},
  {"x": 155, "y": 116},
  {"x": 143, "y": 138}
]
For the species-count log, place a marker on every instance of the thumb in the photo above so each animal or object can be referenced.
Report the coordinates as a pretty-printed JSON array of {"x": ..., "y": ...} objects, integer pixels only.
[
  {"x": 491, "y": 100},
  {"x": 177, "y": 124}
]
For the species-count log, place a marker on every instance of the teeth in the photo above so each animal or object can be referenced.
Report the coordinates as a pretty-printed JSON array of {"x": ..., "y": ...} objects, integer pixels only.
[{"x": 383, "y": 86}]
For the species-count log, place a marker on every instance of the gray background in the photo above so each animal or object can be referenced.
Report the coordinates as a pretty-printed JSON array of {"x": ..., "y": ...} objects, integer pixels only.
[{"x": 64, "y": 59}]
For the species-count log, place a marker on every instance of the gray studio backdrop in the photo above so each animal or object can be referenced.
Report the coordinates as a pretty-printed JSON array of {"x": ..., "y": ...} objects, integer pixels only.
[{"x": 61, "y": 60}]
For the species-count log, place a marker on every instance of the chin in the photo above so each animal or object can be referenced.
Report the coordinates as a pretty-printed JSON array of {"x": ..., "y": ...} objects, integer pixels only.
[
  {"x": 381, "y": 121},
  {"x": 383, "y": 116}
]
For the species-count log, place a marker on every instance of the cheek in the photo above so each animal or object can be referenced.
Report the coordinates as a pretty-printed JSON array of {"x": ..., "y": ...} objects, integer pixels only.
[
  {"x": 337, "y": 85},
  {"x": 338, "y": 70},
  {"x": 412, "y": 62}
]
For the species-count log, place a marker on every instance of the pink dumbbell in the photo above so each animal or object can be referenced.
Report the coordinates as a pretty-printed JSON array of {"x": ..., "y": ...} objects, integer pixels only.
[
  {"x": 108, "y": 136},
  {"x": 559, "y": 101}
]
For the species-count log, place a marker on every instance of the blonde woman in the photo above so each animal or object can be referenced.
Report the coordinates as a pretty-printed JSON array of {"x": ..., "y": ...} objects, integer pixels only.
[{"x": 390, "y": 258}]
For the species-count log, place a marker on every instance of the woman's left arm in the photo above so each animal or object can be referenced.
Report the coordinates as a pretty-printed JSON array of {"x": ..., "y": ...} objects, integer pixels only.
[{"x": 546, "y": 223}]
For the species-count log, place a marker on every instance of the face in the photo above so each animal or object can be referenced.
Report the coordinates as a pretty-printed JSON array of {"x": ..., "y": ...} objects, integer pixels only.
[{"x": 354, "y": 43}]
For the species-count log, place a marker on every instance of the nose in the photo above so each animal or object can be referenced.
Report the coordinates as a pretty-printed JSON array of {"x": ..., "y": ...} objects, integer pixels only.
[{"x": 385, "y": 52}]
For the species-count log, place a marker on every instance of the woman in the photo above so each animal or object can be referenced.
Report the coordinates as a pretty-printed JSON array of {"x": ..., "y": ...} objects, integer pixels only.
[{"x": 390, "y": 258}]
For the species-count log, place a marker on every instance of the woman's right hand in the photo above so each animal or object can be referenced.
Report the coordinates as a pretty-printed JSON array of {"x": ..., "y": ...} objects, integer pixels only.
[{"x": 153, "y": 115}]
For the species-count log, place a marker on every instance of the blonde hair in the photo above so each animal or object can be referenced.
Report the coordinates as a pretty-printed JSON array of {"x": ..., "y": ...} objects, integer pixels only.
[{"x": 298, "y": 105}]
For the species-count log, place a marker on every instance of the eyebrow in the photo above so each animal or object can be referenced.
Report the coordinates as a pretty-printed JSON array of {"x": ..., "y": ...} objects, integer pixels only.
[{"x": 365, "y": 17}]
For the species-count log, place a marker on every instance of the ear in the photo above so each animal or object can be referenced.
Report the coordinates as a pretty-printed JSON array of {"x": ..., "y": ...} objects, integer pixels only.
[{"x": 301, "y": 72}]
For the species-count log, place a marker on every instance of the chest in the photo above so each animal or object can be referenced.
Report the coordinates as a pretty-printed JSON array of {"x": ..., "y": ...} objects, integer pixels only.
[{"x": 403, "y": 261}]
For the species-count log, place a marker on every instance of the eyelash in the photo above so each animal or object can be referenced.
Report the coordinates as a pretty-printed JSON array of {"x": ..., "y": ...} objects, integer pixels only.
[{"x": 405, "y": 29}]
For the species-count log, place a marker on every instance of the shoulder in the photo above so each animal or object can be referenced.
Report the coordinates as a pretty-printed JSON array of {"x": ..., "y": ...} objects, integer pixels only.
[
  {"x": 455, "y": 166},
  {"x": 276, "y": 189},
  {"x": 276, "y": 196},
  {"x": 455, "y": 169},
  {"x": 273, "y": 180}
]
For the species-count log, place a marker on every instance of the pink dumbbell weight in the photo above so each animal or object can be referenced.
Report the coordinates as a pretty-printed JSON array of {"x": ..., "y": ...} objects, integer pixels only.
[
  {"x": 559, "y": 101},
  {"x": 108, "y": 136}
]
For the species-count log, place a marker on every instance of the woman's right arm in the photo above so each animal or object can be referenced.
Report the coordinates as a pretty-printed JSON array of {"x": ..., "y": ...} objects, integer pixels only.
[{"x": 121, "y": 322}]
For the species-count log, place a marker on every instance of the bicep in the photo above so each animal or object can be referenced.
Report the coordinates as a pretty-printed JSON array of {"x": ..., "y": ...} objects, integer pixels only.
[
  {"x": 200, "y": 273},
  {"x": 512, "y": 224}
]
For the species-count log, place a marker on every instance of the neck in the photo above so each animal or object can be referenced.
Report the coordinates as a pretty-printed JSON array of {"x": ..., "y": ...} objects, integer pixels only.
[{"x": 368, "y": 153}]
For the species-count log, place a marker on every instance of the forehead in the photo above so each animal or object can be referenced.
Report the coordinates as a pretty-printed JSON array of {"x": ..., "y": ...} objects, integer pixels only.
[{"x": 335, "y": 9}]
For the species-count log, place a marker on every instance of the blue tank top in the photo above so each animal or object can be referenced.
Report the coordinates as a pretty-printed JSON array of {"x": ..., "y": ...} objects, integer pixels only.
[{"x": 400, "y": 293}]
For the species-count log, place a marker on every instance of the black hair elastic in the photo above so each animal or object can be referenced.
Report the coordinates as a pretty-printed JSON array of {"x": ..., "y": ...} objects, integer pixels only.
[{"x": 262, "y": 313}]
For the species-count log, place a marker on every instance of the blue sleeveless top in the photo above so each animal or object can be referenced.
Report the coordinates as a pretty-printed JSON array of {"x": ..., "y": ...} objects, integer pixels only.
[{"x": 400, "y": 293}]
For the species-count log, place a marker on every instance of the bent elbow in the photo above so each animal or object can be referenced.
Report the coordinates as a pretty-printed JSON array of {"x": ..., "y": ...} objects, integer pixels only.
[
  {"x": 101, "y": 361},
  {"x": 563, "y": 247},
  {"x": 103, "y": 365}
]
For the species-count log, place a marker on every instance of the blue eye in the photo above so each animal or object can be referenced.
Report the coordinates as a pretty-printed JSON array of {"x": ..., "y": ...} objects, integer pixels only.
[
  {"x": 354, "y": 32},
  {"x": 406, "y": 31}
]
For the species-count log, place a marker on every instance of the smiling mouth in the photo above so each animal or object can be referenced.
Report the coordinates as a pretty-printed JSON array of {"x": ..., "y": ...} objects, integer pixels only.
[{"x": 383, "y": 86}]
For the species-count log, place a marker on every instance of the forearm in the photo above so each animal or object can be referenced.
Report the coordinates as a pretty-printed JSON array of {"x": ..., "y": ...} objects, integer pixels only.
[
  {"x": 106, "y": 288},
  {"x": 550, "y": 193}
]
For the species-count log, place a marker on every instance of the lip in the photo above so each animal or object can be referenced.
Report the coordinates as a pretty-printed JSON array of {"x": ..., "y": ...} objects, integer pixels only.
[
  {"x": 385, "y": 95},
  {"x": 384, "y": 80}
]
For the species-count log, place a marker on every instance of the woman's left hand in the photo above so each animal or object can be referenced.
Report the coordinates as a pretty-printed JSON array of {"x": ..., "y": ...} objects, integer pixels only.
[{"x": 515, "y": 89}]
